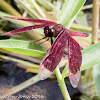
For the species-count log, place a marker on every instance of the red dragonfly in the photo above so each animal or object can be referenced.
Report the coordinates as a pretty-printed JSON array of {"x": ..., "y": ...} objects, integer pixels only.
[{"x": 54, "y": 55}]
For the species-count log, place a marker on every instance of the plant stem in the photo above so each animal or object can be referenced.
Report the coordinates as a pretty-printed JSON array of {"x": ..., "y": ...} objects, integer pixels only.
[
  {"x": 95, "y": 22},
  {"x": 62, "y": 84}
]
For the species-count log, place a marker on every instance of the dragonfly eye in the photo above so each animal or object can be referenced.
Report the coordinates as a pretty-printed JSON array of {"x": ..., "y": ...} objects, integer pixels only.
[{"x": 48, "y": 31}]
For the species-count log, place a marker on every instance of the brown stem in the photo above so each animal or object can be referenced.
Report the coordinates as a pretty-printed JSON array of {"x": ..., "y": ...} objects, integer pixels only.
[{"x": 95, "y": 21}]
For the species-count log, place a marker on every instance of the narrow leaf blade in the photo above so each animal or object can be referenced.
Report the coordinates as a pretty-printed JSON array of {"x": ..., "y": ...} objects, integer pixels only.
[{"x": 69, "y": 11}]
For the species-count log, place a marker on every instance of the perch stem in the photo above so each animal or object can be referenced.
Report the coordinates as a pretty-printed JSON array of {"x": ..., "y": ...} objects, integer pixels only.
[{"x": 62, "y": 84}]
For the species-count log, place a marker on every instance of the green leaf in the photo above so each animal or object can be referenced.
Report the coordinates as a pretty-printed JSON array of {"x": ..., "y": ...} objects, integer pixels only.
[
  {"x": 23, "y": 47},
  {"x": 96, "y": 77},
  {"x": 69, "y": 11},
  {"x": 90, "y": 57}
]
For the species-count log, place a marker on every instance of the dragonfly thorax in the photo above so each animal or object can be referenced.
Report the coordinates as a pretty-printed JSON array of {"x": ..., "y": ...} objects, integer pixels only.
[{"x": 53, "y": 31}]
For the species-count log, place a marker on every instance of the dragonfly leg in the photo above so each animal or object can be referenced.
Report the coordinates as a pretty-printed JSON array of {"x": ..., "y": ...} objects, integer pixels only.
[
  {"x": 40, "y": 39},
  {"x": 44, "y": 41},
  {"x": 51, "y": 40}
]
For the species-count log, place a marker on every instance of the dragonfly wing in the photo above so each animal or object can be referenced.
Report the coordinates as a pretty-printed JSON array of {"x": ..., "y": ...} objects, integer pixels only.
[
  {"x": 53, "y": 57},
  {"x": 74, "y": 78},
  {"x": 32, "y": 20},
  {"x": 74, "y": 61},
  {"x": 25, "y": 29}
]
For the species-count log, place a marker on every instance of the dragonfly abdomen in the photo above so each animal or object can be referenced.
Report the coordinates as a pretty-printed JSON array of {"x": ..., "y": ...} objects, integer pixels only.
[{"x": 72, "y": 33}]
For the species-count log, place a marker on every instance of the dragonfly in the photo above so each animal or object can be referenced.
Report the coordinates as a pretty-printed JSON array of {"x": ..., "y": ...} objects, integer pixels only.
[{"x": 55, "y": 53}]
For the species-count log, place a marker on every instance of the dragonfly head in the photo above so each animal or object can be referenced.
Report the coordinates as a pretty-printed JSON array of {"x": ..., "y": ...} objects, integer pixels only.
[
  {"x": 48, "y": 31},
  {"x": 53, "y": 31}
]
